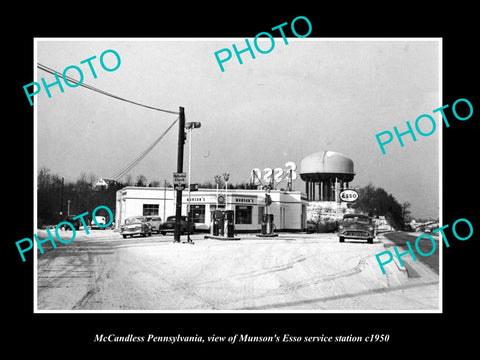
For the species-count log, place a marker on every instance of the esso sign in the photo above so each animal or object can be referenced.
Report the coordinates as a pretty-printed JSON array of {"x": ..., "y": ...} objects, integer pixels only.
[
  {"x": 278, "y": 174},
  {"x": 348, "y": 195}
]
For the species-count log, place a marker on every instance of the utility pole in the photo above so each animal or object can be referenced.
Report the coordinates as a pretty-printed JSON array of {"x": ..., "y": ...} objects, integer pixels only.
[
  {"x": 181, "y": 143},
  {"x": 61, "y": 201},
  {"x": 164, "y": 198}
]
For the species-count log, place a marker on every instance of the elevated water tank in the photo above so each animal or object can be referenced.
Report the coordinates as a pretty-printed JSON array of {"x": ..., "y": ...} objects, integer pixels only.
[
  {"x": 324, "y": 165},
  {"x": 326, "y": 173}
]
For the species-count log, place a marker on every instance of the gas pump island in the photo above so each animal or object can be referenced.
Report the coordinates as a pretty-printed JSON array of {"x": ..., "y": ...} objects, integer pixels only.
[
  {"x": 223, "y": 227},
  {"x": 268, "y": 227}
]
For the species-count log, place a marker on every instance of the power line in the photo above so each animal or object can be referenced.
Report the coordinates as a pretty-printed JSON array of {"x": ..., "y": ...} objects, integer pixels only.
[
  {"x": 139, "y": 158},
  {"x": 52, "y": 71}
]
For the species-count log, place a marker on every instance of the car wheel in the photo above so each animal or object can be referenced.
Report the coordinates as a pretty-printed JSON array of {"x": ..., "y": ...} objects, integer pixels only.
[
  {"x": 370, "y": 240},
  {"x": 150, "y": 233},
  {"x": 124, "y": 236},
  {"x": 341, "y": 239}
]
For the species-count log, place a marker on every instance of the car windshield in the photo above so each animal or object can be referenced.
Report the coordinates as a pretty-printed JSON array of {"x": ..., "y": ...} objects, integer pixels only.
[
  {"x": 134, "y": 220},
  {"x": 172, "y": 218},
  {"x": 357, "y": 218}
]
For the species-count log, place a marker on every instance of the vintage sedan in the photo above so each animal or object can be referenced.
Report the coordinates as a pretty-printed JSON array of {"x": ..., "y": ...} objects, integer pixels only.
[
  {"x": 156, "y": 222},
  {"x": 356, "y": 226},
  {"x": 186, "y": 226},
  {"x": 136, "y": 225}
]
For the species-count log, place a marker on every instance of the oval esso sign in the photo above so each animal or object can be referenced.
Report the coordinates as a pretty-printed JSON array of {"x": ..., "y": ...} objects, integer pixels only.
[{"x": 348, "y": 195}]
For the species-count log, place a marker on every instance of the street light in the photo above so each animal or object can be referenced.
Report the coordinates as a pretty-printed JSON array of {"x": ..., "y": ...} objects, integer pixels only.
[
  {"x": 226, "y": 176},
  {"x": 217, "y": 182},
  {"x": 189, "y": 127}
]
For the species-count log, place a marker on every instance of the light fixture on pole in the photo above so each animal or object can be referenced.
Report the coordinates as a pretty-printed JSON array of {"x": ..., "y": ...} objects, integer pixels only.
[
  {"x": 226, "y": 176},
  {"x": 217, "y": 178}
]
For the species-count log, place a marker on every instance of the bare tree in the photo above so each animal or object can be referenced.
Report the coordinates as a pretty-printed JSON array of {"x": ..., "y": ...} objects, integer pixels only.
[
  {"x": 141, "y": 180},
  {"x": 129, "y": 180},
  {"x": 92, "y": 178},
  {"x": 406, "y": 211},
  {"x": 154, "y": 183}
]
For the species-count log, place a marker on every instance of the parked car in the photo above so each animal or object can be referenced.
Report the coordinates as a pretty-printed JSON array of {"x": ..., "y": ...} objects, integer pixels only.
[
  {"x": 136, "y": 225},
  {"x": 356, "y": 226},
  {"x": 185, "y": 225},
  {"x": 156, "y": 222},
  {"x": 311, "y": 227},
  {"x": 76, "y": 223},
  {"x": 101, "y": 220}
]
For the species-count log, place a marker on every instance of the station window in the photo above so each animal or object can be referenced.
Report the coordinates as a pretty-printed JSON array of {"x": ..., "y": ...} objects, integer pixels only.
[
  {"x": 197, "y": 213},
  {"x": 243, "y": 214},
  {"x": 150, "y": 209}
]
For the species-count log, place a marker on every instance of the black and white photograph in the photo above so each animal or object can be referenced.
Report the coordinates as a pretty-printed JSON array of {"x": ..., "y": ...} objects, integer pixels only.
[
  {"x": 203, "y": 182},
  {"x": 293, "y": 196}
]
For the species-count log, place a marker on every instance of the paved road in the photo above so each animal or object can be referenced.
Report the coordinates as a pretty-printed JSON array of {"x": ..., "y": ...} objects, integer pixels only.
[
  {"x": 399, "y": 239},
  {"x": 102, "y": 271}
]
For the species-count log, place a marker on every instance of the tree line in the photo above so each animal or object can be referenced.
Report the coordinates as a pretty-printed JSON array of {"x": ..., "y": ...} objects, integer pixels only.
[
  {"x": 375, "y": 201},
  {"x": 59, "y": 200}
]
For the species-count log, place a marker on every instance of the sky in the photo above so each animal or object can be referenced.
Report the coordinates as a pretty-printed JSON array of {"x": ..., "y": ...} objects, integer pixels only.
[{"x": 311, "y": 95}]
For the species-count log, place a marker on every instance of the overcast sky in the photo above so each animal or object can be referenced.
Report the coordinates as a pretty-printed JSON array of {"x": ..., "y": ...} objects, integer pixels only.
[{"x": 308, "y": 96}]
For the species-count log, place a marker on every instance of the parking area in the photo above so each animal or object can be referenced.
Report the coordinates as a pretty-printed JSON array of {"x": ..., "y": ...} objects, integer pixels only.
[{"x": 291, "y": 272}]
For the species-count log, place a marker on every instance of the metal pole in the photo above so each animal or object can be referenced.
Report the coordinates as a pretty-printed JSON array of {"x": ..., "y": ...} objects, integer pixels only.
[
  {"x": 164, "y": 197},
  {"x": 181, "y": 141},
  {"x": 61, "y": 201},
  {"x": 226, "y": 194},
  {"x": 225, "y": 226},
  {"x": 189, "y": 182}
]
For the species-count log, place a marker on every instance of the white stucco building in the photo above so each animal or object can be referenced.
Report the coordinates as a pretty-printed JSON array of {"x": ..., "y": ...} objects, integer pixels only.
[{"x": 289, "y": 208}]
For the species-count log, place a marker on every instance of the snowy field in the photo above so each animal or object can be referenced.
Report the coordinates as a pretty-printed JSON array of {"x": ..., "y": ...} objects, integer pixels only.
[{"x": 293, "y": 272}]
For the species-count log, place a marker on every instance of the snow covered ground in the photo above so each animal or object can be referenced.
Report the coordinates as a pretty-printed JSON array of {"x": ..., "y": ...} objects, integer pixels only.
[{"x": 292, "y": 272}]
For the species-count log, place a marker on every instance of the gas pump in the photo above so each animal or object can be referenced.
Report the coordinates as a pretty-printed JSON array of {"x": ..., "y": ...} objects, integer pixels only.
[
  {"x": 217, "y": 216},
  {"x": 270, "y": 224},
  {"x": 268, "y": 227},
  {"x": 221, "y": 222},
  {"x": 229, "y": 223}
]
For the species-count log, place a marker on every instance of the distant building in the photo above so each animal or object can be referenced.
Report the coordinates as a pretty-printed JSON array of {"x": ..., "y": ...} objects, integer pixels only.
[
  {"x": 103, "y": 183},
  {"x": 383, "y": 224},
  {"x": 427, "y": 226}
]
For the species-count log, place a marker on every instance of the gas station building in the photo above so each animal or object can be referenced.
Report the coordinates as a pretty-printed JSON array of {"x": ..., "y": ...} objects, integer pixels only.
[
  {"x": 325, "y": 174},
  {"x": 289, "y": 208}
]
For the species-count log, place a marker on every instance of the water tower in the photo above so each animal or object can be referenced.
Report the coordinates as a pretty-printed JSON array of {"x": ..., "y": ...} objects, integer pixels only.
[{"x": 326, "y": 173}]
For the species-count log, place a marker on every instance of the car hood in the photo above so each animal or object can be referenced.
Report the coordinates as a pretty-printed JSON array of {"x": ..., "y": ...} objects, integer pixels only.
[
  {"x": 355, "y": 225},
  {"x": 134, "y": 224}
]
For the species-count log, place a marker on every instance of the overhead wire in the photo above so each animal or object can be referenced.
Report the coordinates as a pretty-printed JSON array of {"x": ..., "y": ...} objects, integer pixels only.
[
  {"x": 70, "y": 79},
  {"x": 140, "y": 157}
]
